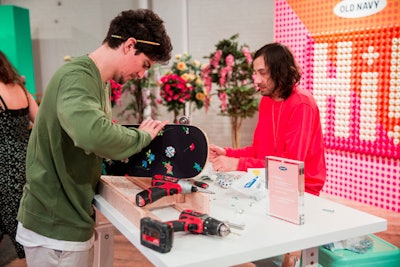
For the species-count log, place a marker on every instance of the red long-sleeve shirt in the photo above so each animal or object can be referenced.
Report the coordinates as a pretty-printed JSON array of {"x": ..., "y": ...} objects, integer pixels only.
[{"x": 289, "y": 129}]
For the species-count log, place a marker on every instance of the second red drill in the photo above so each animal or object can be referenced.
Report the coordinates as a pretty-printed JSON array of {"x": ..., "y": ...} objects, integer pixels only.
[{"x": 162, "y": 185}]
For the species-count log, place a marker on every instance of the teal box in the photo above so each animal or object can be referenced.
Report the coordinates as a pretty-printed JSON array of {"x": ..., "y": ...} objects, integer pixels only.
[
  {"x": 381, "y": 254},
  {"x": 16, "y": 41}
]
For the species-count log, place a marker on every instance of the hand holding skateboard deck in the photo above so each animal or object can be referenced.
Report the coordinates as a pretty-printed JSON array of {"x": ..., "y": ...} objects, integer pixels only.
[{"x": 179, "y": 150}]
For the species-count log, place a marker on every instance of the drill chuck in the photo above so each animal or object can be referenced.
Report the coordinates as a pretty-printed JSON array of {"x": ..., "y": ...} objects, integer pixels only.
[
  {"x": 187, "y": 187},
  {"x": 215, "y": 227}
]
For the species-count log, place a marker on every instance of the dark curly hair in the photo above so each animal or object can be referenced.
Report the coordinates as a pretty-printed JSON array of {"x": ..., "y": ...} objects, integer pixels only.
[
  {"x": 282, "y": 67},
  {"x": 141, "y": 24}
]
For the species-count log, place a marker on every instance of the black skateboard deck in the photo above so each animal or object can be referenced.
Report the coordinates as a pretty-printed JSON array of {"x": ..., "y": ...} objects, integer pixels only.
[{"x": 178, "y": 150}]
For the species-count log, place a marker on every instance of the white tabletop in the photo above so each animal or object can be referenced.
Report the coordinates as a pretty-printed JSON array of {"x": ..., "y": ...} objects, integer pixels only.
[{"x": 264, "y": 236}]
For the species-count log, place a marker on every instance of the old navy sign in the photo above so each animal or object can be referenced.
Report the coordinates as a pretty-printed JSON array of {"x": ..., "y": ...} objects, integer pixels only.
[{"x": 358, "y": 8}]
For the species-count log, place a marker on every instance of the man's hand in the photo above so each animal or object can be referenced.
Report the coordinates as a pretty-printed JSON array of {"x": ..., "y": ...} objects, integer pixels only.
[
  {"x": 224, "y": 163},
  {"x": 152, "y": 126},
  {"x": 216, "y": 151}
]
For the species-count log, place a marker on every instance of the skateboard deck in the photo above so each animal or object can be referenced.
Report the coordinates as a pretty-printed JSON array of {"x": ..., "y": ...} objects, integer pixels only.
[{"x": 178, "y": 150}]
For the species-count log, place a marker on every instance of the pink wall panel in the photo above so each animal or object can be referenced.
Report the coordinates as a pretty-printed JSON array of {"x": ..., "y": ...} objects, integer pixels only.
[{"x": 352, "y": 66}]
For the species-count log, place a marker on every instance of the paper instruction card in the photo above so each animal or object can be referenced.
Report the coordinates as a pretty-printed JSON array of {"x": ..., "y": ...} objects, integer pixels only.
[{"x": 285, "y": 184}]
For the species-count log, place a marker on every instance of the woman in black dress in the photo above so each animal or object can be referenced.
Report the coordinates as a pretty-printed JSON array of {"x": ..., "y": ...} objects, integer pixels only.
[{"x": 17, "y": 110}]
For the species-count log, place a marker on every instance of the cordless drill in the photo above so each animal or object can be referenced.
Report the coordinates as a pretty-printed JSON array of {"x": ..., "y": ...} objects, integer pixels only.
[
  {"x": 163, "y": 185},
  {"x": 159, "y": 235}
]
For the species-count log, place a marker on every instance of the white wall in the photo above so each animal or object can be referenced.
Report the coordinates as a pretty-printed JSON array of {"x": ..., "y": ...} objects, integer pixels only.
[
  {"x": 76, "y": 27},
  {"x": 60, "y": 28},
  {"x": 174, "y": 14},
  {"x": 212, "y": 20}
]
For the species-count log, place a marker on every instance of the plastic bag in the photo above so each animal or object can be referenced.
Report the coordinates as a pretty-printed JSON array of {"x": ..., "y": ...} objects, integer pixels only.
[{"x": 360, "y": 244}]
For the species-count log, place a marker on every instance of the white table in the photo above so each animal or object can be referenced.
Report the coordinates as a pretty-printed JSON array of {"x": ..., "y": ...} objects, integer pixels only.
[{"x": 263, "y": 236}]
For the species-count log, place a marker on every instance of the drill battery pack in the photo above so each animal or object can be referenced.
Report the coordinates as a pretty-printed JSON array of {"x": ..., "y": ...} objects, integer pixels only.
[{"x": 156, "y": 235}]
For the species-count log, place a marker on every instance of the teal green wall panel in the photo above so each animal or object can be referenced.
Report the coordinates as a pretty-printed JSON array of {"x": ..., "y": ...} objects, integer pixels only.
[{"x": 16, "y": 41}]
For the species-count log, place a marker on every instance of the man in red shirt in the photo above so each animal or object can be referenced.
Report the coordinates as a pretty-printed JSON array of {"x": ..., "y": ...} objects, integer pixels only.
[{"x": 288, "y": 121}]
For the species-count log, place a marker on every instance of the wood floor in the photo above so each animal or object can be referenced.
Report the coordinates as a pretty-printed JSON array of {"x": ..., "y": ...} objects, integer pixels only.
[{"x": 125, "y": 254}]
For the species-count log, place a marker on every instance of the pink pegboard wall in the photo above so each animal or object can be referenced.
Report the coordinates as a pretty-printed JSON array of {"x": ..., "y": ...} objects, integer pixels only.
[
  {"x": 289, "y": 30},
  {"x": 354, "y": 74},
  {"x": 364, "y": 178},
  {"x": 356, "y": 83}
]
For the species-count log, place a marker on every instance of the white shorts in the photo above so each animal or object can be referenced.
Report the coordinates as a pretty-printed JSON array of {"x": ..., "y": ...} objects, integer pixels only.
[{"x": 47, "y": 257}]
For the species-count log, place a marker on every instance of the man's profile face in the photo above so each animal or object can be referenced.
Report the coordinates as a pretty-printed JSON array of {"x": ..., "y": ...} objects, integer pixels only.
[
  {"x": 262, "y": 77},
  {"x": 133, "y": 65}
]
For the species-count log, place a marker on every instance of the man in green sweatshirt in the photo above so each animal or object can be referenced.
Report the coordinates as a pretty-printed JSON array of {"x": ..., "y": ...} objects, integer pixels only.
[{"x": 72, "y": 134}]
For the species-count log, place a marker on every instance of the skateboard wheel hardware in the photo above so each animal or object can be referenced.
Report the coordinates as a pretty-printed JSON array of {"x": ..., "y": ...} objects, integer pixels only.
[{"x": 184, "y": 120}]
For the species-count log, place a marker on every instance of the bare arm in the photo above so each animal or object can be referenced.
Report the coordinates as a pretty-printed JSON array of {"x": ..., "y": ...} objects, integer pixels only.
[{"x": 33, "y": 108}]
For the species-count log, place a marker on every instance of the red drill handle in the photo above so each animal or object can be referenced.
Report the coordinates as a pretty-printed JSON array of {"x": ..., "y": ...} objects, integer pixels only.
[
  {"x": 159, "y": 178},
  {"x": 154, "y": 193}
]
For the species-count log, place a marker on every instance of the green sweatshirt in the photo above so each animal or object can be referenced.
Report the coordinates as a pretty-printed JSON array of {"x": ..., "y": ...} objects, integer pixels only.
[{"x": 72, "y": 133}]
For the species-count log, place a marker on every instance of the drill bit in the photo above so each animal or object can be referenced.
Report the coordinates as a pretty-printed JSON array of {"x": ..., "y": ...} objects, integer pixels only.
[
  {"x": 235, "y": 225},
  {"x": 202, "y": 190}
]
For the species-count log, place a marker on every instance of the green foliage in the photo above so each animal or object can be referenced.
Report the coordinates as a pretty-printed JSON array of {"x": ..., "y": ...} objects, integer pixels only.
[
  {"x": 241, "y": 102},
  {"x": 231, "y": 69}
]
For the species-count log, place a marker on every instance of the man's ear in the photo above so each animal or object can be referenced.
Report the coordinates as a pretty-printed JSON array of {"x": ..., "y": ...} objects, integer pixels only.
[
  {"x": 132, "y": 41},
  {"x": 129, "y": 44}
]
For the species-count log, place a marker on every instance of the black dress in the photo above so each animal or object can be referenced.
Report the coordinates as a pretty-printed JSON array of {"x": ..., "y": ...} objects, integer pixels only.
[{"x": 14, "y": 135}]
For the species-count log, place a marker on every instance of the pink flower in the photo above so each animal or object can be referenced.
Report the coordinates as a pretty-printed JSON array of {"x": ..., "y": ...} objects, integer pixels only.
[
  {"x": 223, "y": 98},
  {"x": 216, "y": 58},
  {"x": 246, "y": 53},
  {"x": 224, "y": 74},
  {"x": 229, "y": 60},
  {"x": 222, "y": 78},
  {"x": 206, "y": 77}
]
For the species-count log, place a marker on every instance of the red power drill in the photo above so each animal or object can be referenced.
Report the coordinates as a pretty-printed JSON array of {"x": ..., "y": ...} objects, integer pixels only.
[
  {"x": 162, "y": 185},
  {"x": 159, "y": 235}
]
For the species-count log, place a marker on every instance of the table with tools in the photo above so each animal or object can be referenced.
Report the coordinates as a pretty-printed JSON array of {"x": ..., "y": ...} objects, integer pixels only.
[{"x": 253, "y": 235}]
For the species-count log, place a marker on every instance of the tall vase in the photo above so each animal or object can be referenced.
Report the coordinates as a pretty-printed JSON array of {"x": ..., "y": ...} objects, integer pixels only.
[
  {"x": 184, "y": 116},
  {"x": 236, "y": 123},
  {"x": 176, "y": 116},
  {"x": 187, "y": 112}
]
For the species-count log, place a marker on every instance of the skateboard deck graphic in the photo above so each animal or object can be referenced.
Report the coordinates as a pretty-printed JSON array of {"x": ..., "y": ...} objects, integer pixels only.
[{"x": 178, "y": 150}]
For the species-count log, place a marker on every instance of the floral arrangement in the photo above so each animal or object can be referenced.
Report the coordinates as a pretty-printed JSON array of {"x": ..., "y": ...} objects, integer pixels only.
[
  {"x": 231, "y": 70},
  {"x": 182, "y": 84},
  {"x": 116, "y": 91},
  {"x": 175, "y": 91}
]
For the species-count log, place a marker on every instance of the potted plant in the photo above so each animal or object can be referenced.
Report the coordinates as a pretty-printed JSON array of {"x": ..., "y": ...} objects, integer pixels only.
[
  {"x": 231, "y": 70},
  {"x": 182, "y": 88}
]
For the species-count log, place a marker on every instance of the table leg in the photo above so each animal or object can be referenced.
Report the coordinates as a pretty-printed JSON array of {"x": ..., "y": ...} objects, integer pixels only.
[
  {"x": 309, "y": 257},
  {"x": 104, "y": 245}
]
